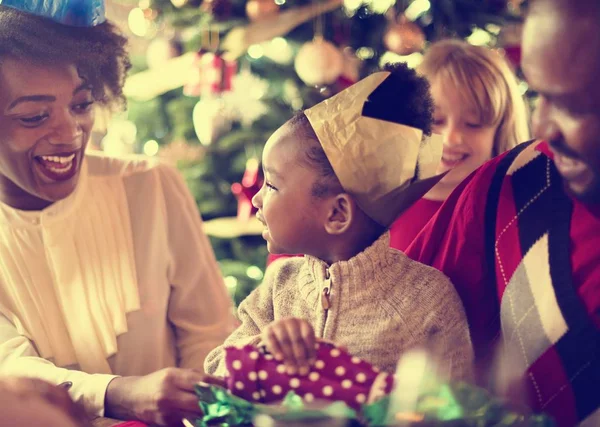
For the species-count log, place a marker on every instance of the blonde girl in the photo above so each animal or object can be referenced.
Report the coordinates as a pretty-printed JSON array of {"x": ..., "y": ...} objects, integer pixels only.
[{"x": 480, "y": 113}]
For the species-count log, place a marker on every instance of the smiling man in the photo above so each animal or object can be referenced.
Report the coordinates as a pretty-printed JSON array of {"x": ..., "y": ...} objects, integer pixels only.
[{"x": 520, "y": 238}]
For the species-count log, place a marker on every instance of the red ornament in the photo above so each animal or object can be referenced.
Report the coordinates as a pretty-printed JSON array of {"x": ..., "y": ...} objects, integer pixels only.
[
  {"x": 244, "y": 191},
  {"x": 212, "y": 74},
  {"x": 513, "y": 54}
]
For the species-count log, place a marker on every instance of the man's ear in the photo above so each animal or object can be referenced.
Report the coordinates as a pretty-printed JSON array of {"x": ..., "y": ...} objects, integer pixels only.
[{"x": 341, "y": 212}]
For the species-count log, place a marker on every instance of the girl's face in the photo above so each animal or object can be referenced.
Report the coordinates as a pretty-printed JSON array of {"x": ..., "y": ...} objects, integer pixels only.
[
  {"x": 46, "y": 117},
  {"x": 292, "y": 216},
  {"x": 467, "y": 142}
]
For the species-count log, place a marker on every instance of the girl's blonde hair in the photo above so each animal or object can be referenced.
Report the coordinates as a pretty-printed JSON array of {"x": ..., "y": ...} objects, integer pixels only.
[{"x": 485, "y": 81}]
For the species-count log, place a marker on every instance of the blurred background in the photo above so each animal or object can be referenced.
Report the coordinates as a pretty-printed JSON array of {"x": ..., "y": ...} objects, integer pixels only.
[{"x": 212, "y": 79}]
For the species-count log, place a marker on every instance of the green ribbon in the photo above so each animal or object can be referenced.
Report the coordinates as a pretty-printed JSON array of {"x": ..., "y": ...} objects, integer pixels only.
[
  {"x": 451, "y": 405},
  {"x": 221, "y": 408},
  {"x": 445, "y": 405}
]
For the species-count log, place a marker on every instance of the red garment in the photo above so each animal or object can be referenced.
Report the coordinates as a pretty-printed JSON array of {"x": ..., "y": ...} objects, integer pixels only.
[
  {"x": 408, "y": 225},
  {"x": 534, "y": 261},
  {"x": 452, "y": 241},
  {"x": 272, "y": 257}
]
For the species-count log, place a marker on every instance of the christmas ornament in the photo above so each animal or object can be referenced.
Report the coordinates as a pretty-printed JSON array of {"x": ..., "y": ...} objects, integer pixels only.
[
  {"x": 404, "y": 37},
  {"x": 319, "y": 63},
  {"x": 182, "y": 3},
  {"x": 244, "y": 191},
  {"x": 257, "y": 10},
  {"x": 160, "y": 50},
  {"x": 238, "y": 40},
  {"x": 219, "y": 9},
  {"x": 513, "y": 55},
  {"x": 212, "y": 73},
  {"x": 245, "y": 98},
  {"x": 211, "y": 119},
  {"x": 510, "y": 39}
]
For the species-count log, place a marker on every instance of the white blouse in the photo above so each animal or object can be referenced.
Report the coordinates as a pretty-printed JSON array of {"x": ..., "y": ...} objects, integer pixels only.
[{"x": 116, "y": 279}]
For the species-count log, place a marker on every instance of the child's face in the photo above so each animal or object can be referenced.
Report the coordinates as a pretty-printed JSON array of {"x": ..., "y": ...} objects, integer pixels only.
[
  {"x": 467, "y": 143},
  {"x": 293, "y": 217}
]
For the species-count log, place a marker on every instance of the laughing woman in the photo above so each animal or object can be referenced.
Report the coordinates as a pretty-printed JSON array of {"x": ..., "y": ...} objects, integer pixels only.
[{"x": 107, "y": 280}]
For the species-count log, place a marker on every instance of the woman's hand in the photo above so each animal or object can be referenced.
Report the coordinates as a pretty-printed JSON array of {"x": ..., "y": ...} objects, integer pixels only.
[
  {"x": 163, "y": 397},
  {"x": 31, "y": 401},
  {"x": 292, "y": 341}
]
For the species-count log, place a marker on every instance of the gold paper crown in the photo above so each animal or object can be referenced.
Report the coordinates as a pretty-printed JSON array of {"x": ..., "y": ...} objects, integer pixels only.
[{"x": 385, "y": 166}]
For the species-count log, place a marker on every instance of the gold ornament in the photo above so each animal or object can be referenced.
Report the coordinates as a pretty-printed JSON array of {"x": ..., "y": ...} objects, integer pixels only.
[
  {"x": 186, "y": 3},
  {"x": 319, "y": 62},
  {"x": 404, "y": 37},
  {"x": 261, "y": 9}
]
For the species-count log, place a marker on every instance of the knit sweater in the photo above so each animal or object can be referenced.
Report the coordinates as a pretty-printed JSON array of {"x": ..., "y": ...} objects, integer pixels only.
[{"x": 381, "y": 304}]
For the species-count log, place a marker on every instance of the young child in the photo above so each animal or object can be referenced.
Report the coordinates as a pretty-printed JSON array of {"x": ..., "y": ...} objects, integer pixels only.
[
  {"x": 336, "y": 176},
  {"x": 480, "y": 113}
]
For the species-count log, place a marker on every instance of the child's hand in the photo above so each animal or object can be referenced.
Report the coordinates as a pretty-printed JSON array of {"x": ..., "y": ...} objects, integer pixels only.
[{"x": 292, "y": 341}]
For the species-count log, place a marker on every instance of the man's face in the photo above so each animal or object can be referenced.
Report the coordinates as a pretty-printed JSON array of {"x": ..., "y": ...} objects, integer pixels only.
[{"x": 561, "y": 60}]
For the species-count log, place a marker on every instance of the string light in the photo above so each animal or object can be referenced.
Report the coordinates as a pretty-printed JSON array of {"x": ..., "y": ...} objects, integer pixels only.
[
  {"x": 416, "y": 9},
  {"x": 523, "y": 87},
  {"x": 231, "y": 282},
  {"x": 151, "y": 148},
  {"x": 365, "y": 53},
  {"x": 256, "y": 51},
  {"x": 479, "y": 37},
  {"x": 137, "y": 22},
  {"x": 254, "y": 272}
]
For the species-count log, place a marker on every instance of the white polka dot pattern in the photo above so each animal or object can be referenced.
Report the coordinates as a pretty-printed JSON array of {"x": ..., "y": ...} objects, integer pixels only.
[{"x": 335, "y": 375}]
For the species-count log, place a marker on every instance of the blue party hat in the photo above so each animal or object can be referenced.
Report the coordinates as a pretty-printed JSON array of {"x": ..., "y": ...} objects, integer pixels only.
[{"x": 78, "y": 13}]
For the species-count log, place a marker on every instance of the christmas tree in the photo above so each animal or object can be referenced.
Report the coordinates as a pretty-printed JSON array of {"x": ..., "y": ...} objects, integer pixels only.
[{"x": 217, "y": 77}]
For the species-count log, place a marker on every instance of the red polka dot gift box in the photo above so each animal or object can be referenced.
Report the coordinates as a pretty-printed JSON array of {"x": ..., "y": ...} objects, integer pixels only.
[{"x": 336, "y": 376}]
